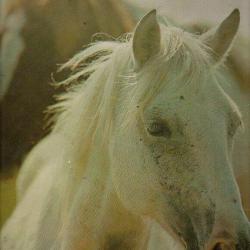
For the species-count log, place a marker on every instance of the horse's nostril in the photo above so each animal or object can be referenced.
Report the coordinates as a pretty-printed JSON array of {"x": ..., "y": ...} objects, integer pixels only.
[
  {"x": 218, "y": 246},
  {"x": 222, "y": 246}
]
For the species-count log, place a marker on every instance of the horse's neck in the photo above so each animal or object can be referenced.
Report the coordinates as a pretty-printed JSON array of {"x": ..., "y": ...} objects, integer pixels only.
[{"x": 98, "y": 220}]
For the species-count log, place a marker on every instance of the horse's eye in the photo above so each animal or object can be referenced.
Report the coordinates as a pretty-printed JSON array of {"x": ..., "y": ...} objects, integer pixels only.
[{"x": 159, "y": 129}]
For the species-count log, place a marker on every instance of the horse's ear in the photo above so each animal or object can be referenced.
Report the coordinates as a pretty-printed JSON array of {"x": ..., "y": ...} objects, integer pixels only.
[
  {"x": 220, "y": 38},
  {"x": 147, "y": 39}
]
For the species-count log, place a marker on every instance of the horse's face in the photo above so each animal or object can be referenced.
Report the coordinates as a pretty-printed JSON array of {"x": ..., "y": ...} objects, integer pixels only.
[
  {"x": 173, "y": 164},
  {"x": 186, "y": 142}
]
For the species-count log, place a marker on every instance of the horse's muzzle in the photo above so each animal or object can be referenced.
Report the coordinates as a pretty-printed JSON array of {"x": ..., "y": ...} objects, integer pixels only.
[{"x": 228, "y": 243}]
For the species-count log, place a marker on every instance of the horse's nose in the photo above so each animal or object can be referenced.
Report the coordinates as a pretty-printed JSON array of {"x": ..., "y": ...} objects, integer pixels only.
[
  {"x": 226, "y": 242},
  {"x": 222, "y": 243}
]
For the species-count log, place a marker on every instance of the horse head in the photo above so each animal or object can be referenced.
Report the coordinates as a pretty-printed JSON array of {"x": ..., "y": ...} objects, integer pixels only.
[{"x": 172, "y": 159}]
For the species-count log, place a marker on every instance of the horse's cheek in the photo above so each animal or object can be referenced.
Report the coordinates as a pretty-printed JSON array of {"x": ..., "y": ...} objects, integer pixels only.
[{"x": 134, "y": 175}]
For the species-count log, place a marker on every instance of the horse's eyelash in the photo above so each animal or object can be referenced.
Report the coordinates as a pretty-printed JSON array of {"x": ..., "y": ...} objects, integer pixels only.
[{"x": 161, "y": 128}]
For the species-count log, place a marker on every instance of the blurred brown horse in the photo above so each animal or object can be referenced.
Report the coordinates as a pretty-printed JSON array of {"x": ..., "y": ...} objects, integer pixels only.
[{"x": 36, "y": 36}]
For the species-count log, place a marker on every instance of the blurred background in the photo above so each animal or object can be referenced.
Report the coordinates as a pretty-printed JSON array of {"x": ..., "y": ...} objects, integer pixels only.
[{"x": 38, "y": 35}]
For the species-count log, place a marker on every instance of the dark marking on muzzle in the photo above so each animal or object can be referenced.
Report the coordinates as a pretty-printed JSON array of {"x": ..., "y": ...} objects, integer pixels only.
[
  {"x": 191, "y": 238},
  {"x": 187, "y": 233},
  {"x": 114, "y": 243},
  {"x": 122, "y": 241}
]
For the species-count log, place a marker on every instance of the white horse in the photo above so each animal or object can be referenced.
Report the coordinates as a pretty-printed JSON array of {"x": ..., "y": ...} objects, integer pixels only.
[{"x": 140, "y": 153}]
